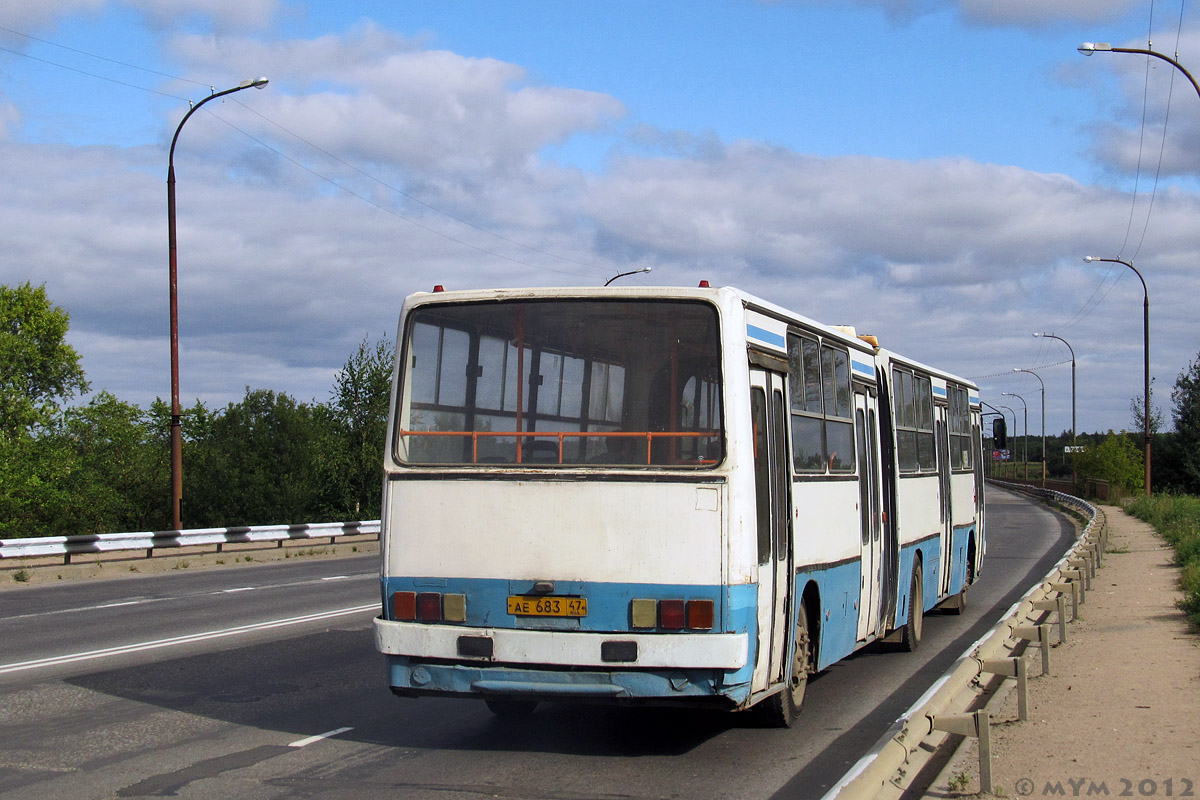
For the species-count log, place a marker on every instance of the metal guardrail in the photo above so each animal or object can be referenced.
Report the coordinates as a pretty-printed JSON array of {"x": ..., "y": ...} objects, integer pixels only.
[
  {"x": 68, "y": 546},
  {"x": 883, "y": 772}
]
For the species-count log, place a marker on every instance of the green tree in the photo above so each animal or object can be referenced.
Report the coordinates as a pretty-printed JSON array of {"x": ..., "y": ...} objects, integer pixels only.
[
  {"x": 35, "y": 473},
  {"x": 360, "y": 400},
  {"x": 1186, "y": 416},
  {"x": 1116, "y": 460},
  {"x": 120, "y": 480},
  {"x": 38, "y": 369},
  {"x": 257, "y": 462}
]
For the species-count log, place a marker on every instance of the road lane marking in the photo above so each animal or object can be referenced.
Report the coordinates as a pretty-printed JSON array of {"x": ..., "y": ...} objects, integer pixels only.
[
  {"x": 373, "y": 574},
  {"x": 318, "y": 737},
  {"x": 156, "y": 644}
]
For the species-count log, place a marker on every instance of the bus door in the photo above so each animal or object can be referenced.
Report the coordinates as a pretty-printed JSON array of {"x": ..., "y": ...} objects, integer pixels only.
[
  {"x": 869, "y": 510},
  {"x": 943, "y": 457},
  {"x": 772, "y": 485}
]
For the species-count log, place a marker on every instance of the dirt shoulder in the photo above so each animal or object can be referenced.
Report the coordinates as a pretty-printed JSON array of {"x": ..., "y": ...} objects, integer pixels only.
[{"x": 1119, "y": 714}]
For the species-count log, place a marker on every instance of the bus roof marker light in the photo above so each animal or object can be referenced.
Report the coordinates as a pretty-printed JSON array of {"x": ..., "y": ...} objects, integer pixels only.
[
  {"x": 704, "y": 284},
  {"x": 438, "y": 288}
]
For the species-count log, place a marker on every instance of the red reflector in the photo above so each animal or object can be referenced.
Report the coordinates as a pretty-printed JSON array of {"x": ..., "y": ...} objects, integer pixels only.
[
  {"x": 700, "y": 615},
  {"x": 404, "y": 606},
  {"x": 429, "y": 607},
  {"x": 671, "y": 614}
]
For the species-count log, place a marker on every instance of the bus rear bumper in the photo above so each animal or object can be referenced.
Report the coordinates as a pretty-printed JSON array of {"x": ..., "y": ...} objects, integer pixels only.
[
  {"x": 411, "y": 678},
  {"x": 673, "y": 668},
  {"x": 725, "y": 651}
]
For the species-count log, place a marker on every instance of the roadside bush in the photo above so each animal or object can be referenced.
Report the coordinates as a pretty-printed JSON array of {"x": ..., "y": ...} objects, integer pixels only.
[{"x": 1177, "y": 517}]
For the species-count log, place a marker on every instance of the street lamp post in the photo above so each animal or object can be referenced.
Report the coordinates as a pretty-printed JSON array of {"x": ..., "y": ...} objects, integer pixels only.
[
  {"x": 623, "y": 274},
  {"x": 1087, "y": 48},
  {"x": 1145, "y": 357},
  {"x": 1043, "y": 383},
  {"x": 1014, "y": 413},
  {"x": 996, "y": 412},
  {"x": 1073, "y": 431},
  {"x": 1025, "y": 440},
  {"x": 176, "y": 414}
]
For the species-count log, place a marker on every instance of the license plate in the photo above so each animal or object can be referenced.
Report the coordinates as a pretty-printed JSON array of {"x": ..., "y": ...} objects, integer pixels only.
[{"x": 547, "y": 606}]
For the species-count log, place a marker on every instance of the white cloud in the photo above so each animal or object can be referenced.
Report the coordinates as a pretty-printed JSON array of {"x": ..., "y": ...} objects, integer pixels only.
[
  {"x": 372, "y": 97},
  {"x": 1005, "y": 13},
  {"x": 30, "y": 16},
  {"x": 281, "y": 275}
]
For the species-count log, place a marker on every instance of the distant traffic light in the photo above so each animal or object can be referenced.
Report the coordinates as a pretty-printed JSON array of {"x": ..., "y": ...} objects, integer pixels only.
[{"x": 999, "y": 434}]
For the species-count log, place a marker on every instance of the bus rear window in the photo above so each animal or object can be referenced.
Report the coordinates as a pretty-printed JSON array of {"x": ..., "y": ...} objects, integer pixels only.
[{"x": 544, "y": 383}]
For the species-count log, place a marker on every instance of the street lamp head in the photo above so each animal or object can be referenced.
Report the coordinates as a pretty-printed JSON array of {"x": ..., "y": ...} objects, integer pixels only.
[
  {"x": 1087, "y": 48},
  {"x": 1090, "y": 259},
  {"x": 257, "y": 83}
]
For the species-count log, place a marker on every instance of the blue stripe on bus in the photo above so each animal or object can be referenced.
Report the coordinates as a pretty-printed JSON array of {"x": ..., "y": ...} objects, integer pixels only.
[
  {"x": 838, "y": 588},
  {"x": 769, "y": 337},
  {"x": 865, "y": 369},
  {"x": 608, "y": 603},
  {"x": 939, "y": 391},
  {"x": 608, "y": 611}
]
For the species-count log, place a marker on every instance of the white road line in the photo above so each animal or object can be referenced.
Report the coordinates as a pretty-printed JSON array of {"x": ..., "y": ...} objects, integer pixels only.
[
  {"x": 181, "y": 640},
  {"x": 318, "y": 737},
  {"x": 374, "y": 574}
]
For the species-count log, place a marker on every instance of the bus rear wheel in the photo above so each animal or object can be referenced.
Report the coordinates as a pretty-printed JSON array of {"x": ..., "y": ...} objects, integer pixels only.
[
  {"x": 782, "y": 707},
  {"x": 910, "y": 634},
  {"x": 959, "y": 603}
]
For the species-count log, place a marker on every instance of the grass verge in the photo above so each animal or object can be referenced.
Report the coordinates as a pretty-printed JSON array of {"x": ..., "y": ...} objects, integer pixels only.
[{"x": 1177, "y": 517}]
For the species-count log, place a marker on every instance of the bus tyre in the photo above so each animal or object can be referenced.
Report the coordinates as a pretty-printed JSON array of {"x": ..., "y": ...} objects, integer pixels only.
[
  {"x": 781, "y": 708},
  {"x": 510, "y": 708},
  {"x": 959, "y": 604},
  {"x": 910, "y": 635}
]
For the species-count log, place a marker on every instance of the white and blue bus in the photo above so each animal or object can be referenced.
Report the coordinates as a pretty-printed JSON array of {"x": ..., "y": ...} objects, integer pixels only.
[{"x": 661, "y": 496}]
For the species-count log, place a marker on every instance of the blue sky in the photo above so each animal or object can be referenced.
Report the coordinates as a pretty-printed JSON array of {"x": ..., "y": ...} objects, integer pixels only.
[{"x": 931, "y": 171}]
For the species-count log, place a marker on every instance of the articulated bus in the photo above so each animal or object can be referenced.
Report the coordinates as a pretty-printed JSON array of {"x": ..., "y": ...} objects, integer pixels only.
[{"x": 662, "y": 496}]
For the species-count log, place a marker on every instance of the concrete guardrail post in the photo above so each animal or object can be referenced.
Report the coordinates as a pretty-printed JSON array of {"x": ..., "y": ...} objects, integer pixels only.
[
  {"x": 1076, "y": 576},
  {"x": 1084, "y": 565},
  {"x": 977, "y": 725},
  {"x": 1012, "y": 668},
  {"x": 1073, "y": 590},
  {"x": 1035, "y": 633},
  {"x": 1059, "y": 604}
]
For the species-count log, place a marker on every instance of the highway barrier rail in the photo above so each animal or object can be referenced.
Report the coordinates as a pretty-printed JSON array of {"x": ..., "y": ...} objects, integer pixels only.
[
  {"x": 150, "y": 541},
  {"x": 957, "y": 703}
]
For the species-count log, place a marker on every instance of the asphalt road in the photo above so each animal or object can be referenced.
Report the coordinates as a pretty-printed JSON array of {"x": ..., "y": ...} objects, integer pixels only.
[{"x": 263, "y": 682}]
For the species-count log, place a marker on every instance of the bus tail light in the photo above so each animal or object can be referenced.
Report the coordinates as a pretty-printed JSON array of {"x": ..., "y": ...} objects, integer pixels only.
[
  {"x": 404, "y": 606},
  {"x": 700, "y": 615},
  {"x": 644, "y": 613},
  {"x": 671, "y": 614},
  {"x": 429, "y": 607}
]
